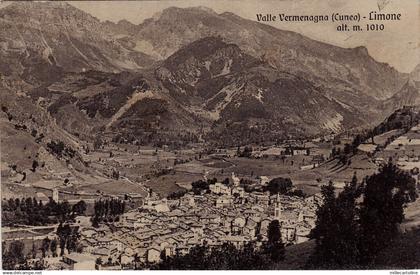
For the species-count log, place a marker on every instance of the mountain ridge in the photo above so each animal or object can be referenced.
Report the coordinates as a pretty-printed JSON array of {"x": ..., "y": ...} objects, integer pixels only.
[
  {"x": 200, "y": 67},
  {"x": 287, "y": 49}
]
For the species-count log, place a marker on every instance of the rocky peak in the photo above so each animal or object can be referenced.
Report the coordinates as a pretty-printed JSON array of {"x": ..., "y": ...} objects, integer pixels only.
[
  {"x": 199, "y": 10},
  {"x": 205, "y": 58},
  {"x": 59, "y": 34},
  {"x": 415, "y": 74},
  {"x": 44, "y": 12}
]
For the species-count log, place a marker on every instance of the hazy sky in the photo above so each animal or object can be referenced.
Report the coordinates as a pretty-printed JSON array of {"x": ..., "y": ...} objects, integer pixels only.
[{"x": 397, "y": 45}]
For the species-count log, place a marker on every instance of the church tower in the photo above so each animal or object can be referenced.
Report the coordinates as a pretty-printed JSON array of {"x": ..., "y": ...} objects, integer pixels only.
[
  {"x": 55, "y": 195},
  {"x": 235, "y": 179},
  {"x": 277, "y": 208}
]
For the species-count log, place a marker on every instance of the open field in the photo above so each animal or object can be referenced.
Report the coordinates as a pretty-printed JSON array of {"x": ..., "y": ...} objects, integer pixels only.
[
  {"x": 112, "y": 187},
  {"x": 381, "y": 139}
]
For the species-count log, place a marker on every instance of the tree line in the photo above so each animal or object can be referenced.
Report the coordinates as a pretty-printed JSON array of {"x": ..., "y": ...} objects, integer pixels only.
[
  {"x": 403, "y": 119},
  {"x": 107, "y": 210},
  {"x": 30, "y": 211},
  {"x": 14, "y": 258},
  {"x": 68, "y": 238},
  {"x": 353, "y": 227},
  {"x": 59, "y": 149}
]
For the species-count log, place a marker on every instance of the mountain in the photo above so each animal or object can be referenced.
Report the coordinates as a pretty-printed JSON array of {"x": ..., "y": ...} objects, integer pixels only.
[
  {"x": 208, "y": 87},
  {"x": 408, "y": 95},
  {"x": 187, "y": 74},
  {"x": 230, "y": 87},
  {"x": 201, "y": 68},
  {"x": 415, "y": 74},
  {"x": 41, "y": 40},
  {"x": 32, "y": 135},
  {"x": 125, "y": 106},
  {"x": 404, "y": 118},
  {"x": 345, "y": 71}
]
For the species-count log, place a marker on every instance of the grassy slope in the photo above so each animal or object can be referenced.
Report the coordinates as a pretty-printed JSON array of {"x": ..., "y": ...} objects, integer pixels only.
[{"x": 402, "y": 253}]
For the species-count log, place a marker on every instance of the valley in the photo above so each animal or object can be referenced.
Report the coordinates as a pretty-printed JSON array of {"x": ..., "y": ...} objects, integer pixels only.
[{"x": 126, "y": 142}]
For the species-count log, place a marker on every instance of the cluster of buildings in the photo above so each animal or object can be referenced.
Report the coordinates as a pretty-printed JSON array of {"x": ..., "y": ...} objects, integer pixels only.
[
  {"x": 162, "y": 227},
  {"x": 404, "y": 152}
]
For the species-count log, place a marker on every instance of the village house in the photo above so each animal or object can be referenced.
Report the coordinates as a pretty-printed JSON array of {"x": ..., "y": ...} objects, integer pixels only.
[
  {"x": 288, "y": 233},
  {"x": 187, "y": 200},
  {"x": 167, "y": 227},
  {"x": 78, "y": 261},
  {"x": 153, "y": 255},
  {"x": 236, "y": 181},
  {"x": 264, "y": 226},
  {"x": 263, "y": 180},
  {"x": 101, "y": 252},
  {"x": 260, "y": 198},
  {"x": 220, "y": 189},
  {"x": 302, "y": 234},
  {"x": 223, "y": 201}
]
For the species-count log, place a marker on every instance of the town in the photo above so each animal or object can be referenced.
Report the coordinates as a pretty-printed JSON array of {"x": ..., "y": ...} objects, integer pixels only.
[
  {"x": 216, "y": 137},
  {"x": 218, "y": 215},
  {"x": 211, "y": 212}
]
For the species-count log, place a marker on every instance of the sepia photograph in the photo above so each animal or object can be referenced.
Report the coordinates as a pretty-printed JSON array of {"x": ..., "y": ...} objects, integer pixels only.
[{"x": 210, "y": 135}]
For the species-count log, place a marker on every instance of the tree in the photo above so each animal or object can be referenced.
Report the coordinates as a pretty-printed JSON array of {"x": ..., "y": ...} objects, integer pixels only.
[
  {"x": 238, "y": 151},
  {"x": 53, "y": 247},
  {"x": 56, "y": 148},
  {"x": 251, "y": 258},
  {"x": 136, "y": 261},
  {"x": 223, "y": 257},
  {"x": 95, "y": 221},
  {"x": 347, "y": 230},
  {"x": 350, "y": 234},
  {"x": 347, "y": 149},
  {"x": 177, "y": 194},
  {"x": 73, "y": 239},
  {"x": 226, "y": 181},
  {"x": 45, "y": 246},
  {"x": 33, "y": 251},
  {"x": 246, "y": 153},
  {"x": 356, "y": 142},
  {"x": 279, "y": 185},
  {"x": 297, "y": 193},
  {"x": 63, "y": 233},
  {"x": 35, "y": 165},
  {"x": 325, "y": 228},
  {"x": 97, "y": 144},
  {"x": 382, "y": 211},
  {"x": 199, "y": 185},
  {"x": 63, "y": 210},
  {"x": 98, "y": 263},
  {"x": 275, "y": 246},
  {"x": 337, "y": 230},
  {"x": 15, "y": 254},
  {"x": 79, "y": 208},
  {"x": 333, "y": 152}
]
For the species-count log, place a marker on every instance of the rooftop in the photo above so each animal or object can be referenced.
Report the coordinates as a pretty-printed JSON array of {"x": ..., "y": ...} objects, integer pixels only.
[{"x": 80, "y": 257}]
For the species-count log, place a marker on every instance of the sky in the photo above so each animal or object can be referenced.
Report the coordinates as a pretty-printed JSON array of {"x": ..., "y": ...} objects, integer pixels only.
[{"x": 398, "y": 44}]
